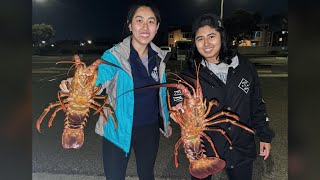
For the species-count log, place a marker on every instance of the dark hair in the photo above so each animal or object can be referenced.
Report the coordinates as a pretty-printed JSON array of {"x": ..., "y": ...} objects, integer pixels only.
[
  {"x": 133, "y": 10},
  {"x": 227, "y": 52}
]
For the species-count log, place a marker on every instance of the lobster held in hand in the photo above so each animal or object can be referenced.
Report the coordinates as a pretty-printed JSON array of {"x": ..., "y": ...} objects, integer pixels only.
[
  {"x": 77, "y": 102},
  {"x": 192, "y": 118}
]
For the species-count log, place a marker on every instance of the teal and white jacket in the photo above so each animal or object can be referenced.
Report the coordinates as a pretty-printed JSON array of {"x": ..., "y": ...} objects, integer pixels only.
[{"x": 117, "y": 82}]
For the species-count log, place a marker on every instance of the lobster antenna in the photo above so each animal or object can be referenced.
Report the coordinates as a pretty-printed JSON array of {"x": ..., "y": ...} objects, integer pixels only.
[
  {"x": 182, "y": 80},
  {"x": 110, "y": 64},
  {"x": 74, "y": 64},
  {"x": 177, "y": 80},
  {"x": 157, "y": 85},
  {"x": 197, "y": 81},
  {"x": 144, "y": 87},
  {"x": 60, "y": 62},
  {"x": 70, "y": 69}
]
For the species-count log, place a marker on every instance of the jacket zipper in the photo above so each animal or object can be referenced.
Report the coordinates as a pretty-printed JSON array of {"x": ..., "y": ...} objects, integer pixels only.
[{"x": 147, "y": 64}]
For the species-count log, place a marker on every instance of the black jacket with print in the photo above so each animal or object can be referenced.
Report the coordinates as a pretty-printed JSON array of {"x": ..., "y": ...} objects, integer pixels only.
[{"x": 241, "y": 95}]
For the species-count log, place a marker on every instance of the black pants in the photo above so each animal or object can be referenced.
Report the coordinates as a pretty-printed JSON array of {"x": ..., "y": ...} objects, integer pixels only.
[
  {"x": 237, "y": 173},
  {"x": 145, "y": 143}
]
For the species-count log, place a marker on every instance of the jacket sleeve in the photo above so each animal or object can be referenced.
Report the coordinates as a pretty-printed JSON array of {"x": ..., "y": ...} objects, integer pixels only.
[
  {"x": 106, "y": 72},
  {"x": 260, "y": 120}
]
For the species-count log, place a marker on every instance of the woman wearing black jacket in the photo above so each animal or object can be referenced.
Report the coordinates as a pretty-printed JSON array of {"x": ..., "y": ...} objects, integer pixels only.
[{"x": 233, "y": 81}]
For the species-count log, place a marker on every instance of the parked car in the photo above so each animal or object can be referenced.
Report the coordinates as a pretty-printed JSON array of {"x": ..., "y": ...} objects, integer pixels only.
[
  {"x": 166, "y": 48},
  {"x": 182, "y": 48}
]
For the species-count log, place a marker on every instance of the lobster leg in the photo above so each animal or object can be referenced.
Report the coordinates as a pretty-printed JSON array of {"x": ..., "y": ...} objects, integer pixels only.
[
  {"x": 101, "y": 113},
  {"x": 96, "y": 90},
  {"x": 211, "y": 103},
  {"x": 223, "y": 132},
  {"x": 53, "y": 116},
  {"x": 95, "y": 103},
  {"x": 104, "y": 102},
  {"x": 176, "y": 118},
  {"x": 111, "y": 111},
  {"x": 185, "y": 119},
  {"x": 176, "y": 147},
  {"x": 168, "y": 100},
  {"x": 44, "y": 113},
  {"x": 61, "y": 94},
  {"x": 211, "y": 143},
  {"x": 98, "y": 97},
  {"x": 234, "y": 122},
  {"x": 220, "y": 113}
]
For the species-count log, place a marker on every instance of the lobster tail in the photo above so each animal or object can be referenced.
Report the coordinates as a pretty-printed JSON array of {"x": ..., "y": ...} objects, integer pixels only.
[
  {"x": 72, "y": 138},
  {"x": 73, "y": 135},
  {"x": 204, "y": 167}
]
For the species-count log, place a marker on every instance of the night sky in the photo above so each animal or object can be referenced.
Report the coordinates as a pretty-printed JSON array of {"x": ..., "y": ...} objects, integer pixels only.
[{"x": 87, "y": 19}]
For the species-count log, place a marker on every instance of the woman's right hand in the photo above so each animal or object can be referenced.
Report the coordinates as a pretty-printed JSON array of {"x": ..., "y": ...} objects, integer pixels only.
[
  {"x": 63, "y": 85},
  {"x": 178, "y": 107}
]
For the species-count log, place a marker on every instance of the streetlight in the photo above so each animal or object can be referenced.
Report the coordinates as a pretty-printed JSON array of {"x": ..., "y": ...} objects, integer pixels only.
[{"x": 221, "y": 9}]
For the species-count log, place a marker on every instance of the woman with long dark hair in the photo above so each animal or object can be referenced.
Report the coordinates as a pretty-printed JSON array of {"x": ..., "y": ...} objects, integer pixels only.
[{"x": 231, "y": 79}]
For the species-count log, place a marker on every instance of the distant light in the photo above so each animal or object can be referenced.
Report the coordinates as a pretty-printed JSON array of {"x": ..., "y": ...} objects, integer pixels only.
[
  {"x": 280, "y": 39},
  {"x": 234, "y": 42},
  {"x": 81, "y": 44},
  {"x": 43, "y": 42},
  {"x": 89, "y": 41},
  {"x": 283, "y": 32},
  {"x": 52, "y": 45},
  {"x": 40, "y": 1}
]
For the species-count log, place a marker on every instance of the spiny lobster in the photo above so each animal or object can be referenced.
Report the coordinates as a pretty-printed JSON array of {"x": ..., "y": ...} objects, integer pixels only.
[
  {"x": 193, "y": 121},
  {"x": 77, "y": 103}
]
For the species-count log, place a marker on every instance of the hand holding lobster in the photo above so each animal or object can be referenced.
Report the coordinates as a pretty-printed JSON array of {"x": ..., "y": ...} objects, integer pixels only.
[{"x": 65, "y": 84}]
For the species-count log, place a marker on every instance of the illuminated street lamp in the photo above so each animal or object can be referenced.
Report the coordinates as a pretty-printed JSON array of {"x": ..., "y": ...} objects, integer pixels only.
[
  {"x": 221, "y": 9},
  {"x": 89, "y": 41}
]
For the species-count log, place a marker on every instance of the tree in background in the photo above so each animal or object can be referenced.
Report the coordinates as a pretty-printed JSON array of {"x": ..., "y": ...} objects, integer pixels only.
[
  {"x": 42, "y": 32},
  {"x": 278, "y": 22},
  {"x": 241, "y": 24}
]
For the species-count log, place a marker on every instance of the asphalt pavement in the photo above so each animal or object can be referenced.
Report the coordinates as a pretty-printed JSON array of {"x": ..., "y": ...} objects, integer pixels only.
[{"x": 47, "y": 176}]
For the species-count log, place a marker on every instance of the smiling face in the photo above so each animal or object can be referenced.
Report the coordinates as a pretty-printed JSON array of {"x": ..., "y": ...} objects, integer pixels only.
[
  {"x": 143, "y": 26},
  {"x": 208, "y": 43}
]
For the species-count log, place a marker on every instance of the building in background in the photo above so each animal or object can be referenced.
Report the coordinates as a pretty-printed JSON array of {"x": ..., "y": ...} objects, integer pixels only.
[
  {"x": 263, "y": 36},
  {"x": 179, "y": 39},
  {"x": 178, "y": 33}
]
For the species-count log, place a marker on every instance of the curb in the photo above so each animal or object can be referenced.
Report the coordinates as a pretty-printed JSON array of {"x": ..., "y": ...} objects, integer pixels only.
[{"x": 48, "y": 176}]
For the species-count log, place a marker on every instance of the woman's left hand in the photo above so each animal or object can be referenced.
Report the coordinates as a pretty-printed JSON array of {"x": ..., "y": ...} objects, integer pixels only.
[
  {"x": 265, "y": 149},
  {"x": 169, "y": 131}
]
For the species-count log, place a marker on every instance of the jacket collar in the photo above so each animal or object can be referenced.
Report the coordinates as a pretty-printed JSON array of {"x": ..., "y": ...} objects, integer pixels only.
[
  {"x": 134, "y": 54},
  {"x": 126, "y": 43}
]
